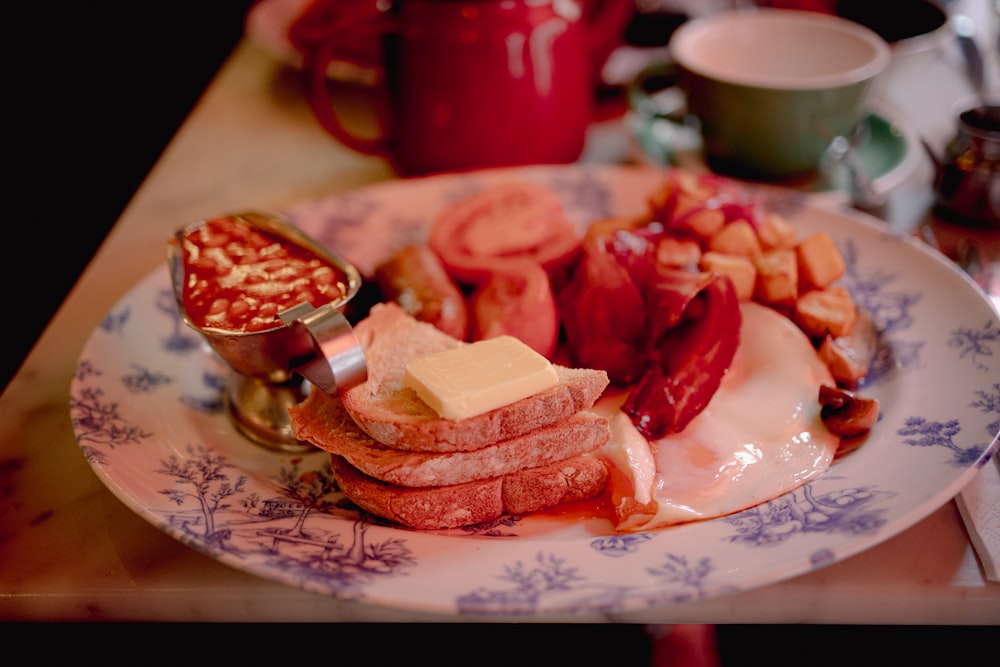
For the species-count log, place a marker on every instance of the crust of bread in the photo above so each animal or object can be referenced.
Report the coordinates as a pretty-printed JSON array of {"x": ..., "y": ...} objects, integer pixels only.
[
  {"x": 395, "y": 416},
  {"x": 430, "y": 508},
  {"x": 332, "y": 429}
]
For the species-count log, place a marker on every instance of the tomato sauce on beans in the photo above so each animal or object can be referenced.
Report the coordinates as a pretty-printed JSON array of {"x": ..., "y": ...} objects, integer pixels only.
[{"x": 238, "y": 278}]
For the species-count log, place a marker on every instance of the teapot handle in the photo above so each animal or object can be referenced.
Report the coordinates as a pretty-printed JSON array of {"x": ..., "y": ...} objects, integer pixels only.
[
  {"x": 606, "y": 21},
  {"x": 315, "y": 64}
]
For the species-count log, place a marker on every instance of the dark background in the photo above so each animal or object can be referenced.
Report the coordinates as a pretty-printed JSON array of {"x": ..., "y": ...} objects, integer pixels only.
[{"x": 94, "y": 92}]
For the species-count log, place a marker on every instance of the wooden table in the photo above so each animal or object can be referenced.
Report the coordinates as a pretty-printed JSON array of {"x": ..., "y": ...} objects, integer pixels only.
[{"x": 71, "y": 551}]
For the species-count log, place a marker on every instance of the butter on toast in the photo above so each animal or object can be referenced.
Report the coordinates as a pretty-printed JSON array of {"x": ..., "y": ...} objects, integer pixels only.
[{"x": 394, "y": 415}]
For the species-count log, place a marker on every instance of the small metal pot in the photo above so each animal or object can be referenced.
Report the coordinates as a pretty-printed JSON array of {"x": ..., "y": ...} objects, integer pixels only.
[
  {"x": 967, "y": 176},
  {"x": 274, "y": 369}
]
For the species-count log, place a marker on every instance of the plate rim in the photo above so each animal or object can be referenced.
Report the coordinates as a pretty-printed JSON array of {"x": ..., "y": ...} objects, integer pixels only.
[{"x": 114, "y": 483}]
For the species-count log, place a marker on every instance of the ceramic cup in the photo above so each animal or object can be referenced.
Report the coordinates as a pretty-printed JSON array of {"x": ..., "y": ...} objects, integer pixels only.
[
  {"x": 771, "y": 88},
  {"x": 479, "y": 83}
]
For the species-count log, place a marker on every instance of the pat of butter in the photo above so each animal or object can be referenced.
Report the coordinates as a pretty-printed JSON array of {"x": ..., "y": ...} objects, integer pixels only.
[{"x": 482, "y": 376}]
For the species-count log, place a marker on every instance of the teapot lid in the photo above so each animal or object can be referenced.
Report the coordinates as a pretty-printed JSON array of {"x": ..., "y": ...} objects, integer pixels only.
[{"x": 982, "y": 121}]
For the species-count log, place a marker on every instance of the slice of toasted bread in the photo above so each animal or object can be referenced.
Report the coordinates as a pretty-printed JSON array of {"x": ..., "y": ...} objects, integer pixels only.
[
  {"x": 429, "y": 508},
  {"x": 395, "y": 416},
  {"x": 333, "y": 430}
]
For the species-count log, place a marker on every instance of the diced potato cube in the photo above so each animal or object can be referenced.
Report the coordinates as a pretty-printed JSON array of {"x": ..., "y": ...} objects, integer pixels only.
[
  {"x": 704, "y": 222},
  {"x": 736, "y": 238},
  {"x": 819, "y": 260},
  {"x": 829, "y": 312},
  {"x": 681, "y": 253},
  {"x": 685, "y": 187},
  {"x": 777, "y": 276},
  {"x": 740, "y": 270},
  {"x": 693, "y": 186},
  {"x": 775, "y": 232}
]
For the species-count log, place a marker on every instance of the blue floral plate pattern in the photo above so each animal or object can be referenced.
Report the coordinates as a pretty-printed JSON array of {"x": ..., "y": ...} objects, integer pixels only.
[{"x": 146, "y": 405}]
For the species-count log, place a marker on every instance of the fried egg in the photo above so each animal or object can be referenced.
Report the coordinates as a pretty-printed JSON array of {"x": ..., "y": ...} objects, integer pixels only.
[{"x": 759, "y": 437}]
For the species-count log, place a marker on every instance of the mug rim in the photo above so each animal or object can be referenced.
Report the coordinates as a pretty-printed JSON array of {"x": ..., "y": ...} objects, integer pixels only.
[{"x": 692, "y": 30}]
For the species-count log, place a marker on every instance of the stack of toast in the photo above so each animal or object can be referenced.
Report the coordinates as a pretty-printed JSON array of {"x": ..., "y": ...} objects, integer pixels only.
[{"x": 393, "y": 456}]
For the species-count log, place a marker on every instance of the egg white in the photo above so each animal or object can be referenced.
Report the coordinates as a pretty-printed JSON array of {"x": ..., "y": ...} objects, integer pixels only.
[{"x": 759, "y": 437}]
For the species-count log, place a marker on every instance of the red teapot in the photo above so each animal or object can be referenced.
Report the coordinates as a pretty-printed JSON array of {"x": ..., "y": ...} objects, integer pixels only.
[{"x": 470, "y": 83}]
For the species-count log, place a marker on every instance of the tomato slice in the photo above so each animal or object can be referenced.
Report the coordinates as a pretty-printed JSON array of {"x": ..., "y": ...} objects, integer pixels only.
[
  {"x": 482, "y": 234},
  {"x": 517, "y": 301}
]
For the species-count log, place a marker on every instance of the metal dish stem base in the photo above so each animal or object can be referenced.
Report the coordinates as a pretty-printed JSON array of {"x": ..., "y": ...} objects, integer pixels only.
[{"x": 259, "y": 409}]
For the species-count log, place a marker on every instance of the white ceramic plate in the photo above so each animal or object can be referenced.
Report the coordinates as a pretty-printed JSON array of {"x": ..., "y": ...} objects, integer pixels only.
[{"x": 146, "y": 407}]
